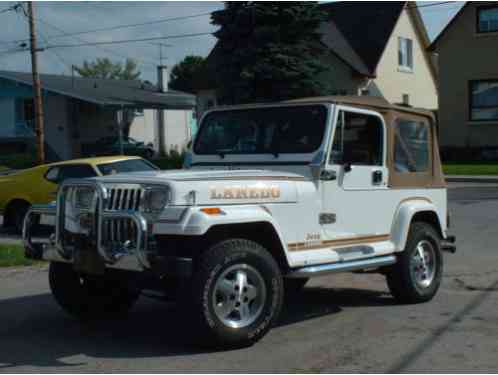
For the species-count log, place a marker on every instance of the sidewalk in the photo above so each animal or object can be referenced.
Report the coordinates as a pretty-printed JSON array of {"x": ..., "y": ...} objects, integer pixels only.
[{"x": 477, "y": 179}]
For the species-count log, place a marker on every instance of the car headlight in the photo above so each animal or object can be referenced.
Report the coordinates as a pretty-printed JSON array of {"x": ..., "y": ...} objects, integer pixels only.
[
  {"x": 83, "y": 197},
  {"x": 156, "y": 199}
]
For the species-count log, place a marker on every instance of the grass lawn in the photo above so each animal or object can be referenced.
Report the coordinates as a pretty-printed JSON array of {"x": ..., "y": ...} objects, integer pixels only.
[
  {"x": 13, "y": 255},
  {"x": 483, "y": 169}
]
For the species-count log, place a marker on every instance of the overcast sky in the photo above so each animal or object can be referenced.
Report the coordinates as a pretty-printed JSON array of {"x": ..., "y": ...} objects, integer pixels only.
[{"x": 58, "y": 18}]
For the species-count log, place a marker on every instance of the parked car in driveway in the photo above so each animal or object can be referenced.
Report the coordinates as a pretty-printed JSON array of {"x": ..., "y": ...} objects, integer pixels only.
[
  {"x": 21, "y": 189},
  {"x": 111, "y": 146}
]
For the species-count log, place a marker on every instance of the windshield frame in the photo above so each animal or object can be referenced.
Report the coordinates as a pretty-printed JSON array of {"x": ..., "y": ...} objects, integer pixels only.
[{"x": 326, "y": 124}]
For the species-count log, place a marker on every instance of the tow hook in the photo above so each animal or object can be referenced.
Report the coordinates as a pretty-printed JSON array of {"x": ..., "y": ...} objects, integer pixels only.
[{"x": 448, "y": 244}]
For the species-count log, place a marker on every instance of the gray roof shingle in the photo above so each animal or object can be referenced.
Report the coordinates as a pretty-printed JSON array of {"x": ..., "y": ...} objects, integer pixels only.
[{"x": 108, "y": 92}]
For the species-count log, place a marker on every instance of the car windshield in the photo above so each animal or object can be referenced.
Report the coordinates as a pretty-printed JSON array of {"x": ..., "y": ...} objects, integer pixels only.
[
  {"x": 271, "y": 130},
  {"x": 133, "y": 165}
]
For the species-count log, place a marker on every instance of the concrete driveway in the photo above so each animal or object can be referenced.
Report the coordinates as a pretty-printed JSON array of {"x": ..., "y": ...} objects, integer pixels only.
[{"x": 338, "y": 324}]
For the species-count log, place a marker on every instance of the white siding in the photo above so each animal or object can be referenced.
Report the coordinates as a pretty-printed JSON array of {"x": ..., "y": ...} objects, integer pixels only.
[{"x": 177, "y": 131}]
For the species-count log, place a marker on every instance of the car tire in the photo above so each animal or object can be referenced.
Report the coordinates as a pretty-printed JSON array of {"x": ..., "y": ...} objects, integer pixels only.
[
  {"x": 89, "y": 298},
  {"x": 237, "y": 294},
  {"x": 294, "y": 286},
  {"x": 19, "y": 212},
  {"x": 413, "y": 279}
]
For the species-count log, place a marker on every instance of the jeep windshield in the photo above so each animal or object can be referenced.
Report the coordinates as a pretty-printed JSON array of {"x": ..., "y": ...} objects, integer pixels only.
[{"x": 265, "y": 130}]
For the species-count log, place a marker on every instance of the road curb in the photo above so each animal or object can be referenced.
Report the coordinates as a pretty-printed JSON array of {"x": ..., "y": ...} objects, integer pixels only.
[{"x": 475, "y": 179}]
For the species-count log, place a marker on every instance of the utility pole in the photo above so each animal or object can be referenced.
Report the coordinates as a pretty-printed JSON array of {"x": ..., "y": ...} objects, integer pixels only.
[{"x": 39, "y": 129}]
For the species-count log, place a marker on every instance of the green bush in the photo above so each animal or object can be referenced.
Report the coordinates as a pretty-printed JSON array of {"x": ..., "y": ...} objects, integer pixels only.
[
  {"x": 174, "y": 160},
  {"x": 18, "y": 161},
  {"x": 13, "y": 256}
]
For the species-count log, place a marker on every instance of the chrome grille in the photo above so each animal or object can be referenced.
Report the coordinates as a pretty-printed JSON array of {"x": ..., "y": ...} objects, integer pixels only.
[
  {"x": 123, "y": 199},
  {"x": 118, "y": 232}
]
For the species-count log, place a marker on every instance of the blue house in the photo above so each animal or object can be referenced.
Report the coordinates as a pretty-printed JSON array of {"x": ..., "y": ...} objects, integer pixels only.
[{"x": 77, "y": 111}]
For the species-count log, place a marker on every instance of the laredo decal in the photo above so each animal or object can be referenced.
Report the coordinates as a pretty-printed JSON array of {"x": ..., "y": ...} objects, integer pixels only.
[{"x": 245, "y": 192}]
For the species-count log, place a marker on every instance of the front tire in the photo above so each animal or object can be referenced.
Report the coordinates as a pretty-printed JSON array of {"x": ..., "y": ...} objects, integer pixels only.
[
  {"x": 417, "y": 275},
  {"x": 89, "y": 298},
  {"x": 237, "y": 293}
]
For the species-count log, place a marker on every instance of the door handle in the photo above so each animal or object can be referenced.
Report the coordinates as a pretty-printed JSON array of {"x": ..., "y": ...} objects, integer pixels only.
[{"x": 377, "y": 177}]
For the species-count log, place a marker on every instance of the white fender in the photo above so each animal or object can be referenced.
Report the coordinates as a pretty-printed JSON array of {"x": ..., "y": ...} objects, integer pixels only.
[
  {"x": 403, "y": 218},
  {"x": 194, "y": 222}
]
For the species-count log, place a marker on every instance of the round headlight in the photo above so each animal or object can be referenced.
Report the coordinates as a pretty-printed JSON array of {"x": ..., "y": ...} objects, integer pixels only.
[
  {"x": 83, "y": 197},
  {"x": 156, "y": 199}
]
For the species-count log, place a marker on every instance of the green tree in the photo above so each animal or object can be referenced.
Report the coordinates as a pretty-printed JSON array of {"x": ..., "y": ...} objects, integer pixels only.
[
  {"x": 184, "y": 74},
  {"x": 269, "y": 51},
  {"x": 105, "y": 68}
]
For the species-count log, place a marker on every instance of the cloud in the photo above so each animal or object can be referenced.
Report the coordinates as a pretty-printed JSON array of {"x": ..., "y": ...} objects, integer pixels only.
[{"x": 56, "y": 18}]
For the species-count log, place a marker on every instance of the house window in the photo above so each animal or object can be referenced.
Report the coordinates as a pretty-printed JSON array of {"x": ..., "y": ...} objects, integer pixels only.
[
  {"x": 484, "y": 100},
  {"x": 487, "y": 19},
  {"x": 406, "y": 99},
  {"x": 405, "y": 53},
  {"x": 25, "y": 110}
]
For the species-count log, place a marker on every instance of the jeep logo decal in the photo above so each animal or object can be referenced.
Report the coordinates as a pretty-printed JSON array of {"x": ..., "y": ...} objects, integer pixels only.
[{"x": 245, "y": 192}]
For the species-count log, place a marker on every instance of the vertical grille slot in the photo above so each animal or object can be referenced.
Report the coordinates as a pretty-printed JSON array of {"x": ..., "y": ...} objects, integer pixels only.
[{"x": 124, "y": 199}]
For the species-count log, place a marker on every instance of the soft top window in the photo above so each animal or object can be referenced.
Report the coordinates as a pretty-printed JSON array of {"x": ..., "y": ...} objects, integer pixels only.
[
  {"x": 411, "y": 152},
  {"x": 271, "y": 130}
]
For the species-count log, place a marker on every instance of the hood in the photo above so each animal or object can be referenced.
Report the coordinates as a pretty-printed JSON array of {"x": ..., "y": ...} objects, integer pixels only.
[{"x": 218, "y": 187}]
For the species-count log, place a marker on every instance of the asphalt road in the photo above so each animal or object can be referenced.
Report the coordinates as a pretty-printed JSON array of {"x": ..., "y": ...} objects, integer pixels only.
[{"x": 338, "y": 324}]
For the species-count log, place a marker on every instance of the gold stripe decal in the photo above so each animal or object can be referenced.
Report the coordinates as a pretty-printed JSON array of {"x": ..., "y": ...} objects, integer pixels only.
[{"x": 296, "y": 246}]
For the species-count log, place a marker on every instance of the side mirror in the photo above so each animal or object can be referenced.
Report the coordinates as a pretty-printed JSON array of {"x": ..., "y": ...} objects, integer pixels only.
[{"x": 347, "y": 167}]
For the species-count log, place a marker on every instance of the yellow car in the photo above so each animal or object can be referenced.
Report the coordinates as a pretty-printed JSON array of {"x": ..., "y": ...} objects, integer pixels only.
[{"x": 38, "y": 185}]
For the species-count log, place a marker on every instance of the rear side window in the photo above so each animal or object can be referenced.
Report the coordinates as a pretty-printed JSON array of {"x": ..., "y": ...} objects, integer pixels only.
[
  {"x": 411, "y": 152},
  {"x": 53, "y": 174},
  {"x": 76, "y": 171}
]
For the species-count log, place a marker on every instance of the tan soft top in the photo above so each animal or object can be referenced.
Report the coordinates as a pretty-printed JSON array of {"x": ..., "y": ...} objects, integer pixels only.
[
  {"x": 433, "y": 178},
  {"x": 373, "y": 102}
]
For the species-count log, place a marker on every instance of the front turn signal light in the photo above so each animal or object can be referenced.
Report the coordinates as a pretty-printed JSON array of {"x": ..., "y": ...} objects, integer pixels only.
[{"x": 212, "y": 211}]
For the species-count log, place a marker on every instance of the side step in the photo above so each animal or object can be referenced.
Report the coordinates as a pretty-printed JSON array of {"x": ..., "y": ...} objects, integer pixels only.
[{"x": 353, "y": 265}]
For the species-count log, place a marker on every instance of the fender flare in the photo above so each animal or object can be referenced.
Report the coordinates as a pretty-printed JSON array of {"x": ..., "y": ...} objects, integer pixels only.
[
  {"x": 195, "y": 222},
  {"x": 403, "y": 219}
]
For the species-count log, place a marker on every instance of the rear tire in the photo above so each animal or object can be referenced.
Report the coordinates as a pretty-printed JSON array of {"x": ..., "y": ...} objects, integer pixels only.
[
  {"x": 415, "y": 278},
  {"x": 89, "y": 298},
  {"x": 237, "y": 293},
  {"x": 18, "y": 214}
]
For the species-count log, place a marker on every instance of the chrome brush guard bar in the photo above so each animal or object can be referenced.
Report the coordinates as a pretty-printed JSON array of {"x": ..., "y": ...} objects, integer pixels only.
[{"x": 131, "y": 255}]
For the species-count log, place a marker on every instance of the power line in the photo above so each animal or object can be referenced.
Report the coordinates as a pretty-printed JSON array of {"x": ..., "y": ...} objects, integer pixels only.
[
  {"x": 85, "y": 42},
  {"x": 118, "y": 27},
  {"x": 430, "y": 5},
  {"x": 9, "y": 9},
  {"x": 128, "y": 40}
]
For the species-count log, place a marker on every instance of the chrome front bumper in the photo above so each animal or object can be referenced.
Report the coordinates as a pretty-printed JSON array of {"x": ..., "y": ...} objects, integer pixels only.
[{"x": 132, "y": 255}]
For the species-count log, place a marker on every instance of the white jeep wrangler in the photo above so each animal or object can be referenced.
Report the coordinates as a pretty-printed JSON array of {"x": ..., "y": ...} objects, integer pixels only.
[{"x": 272, "y": 196}]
